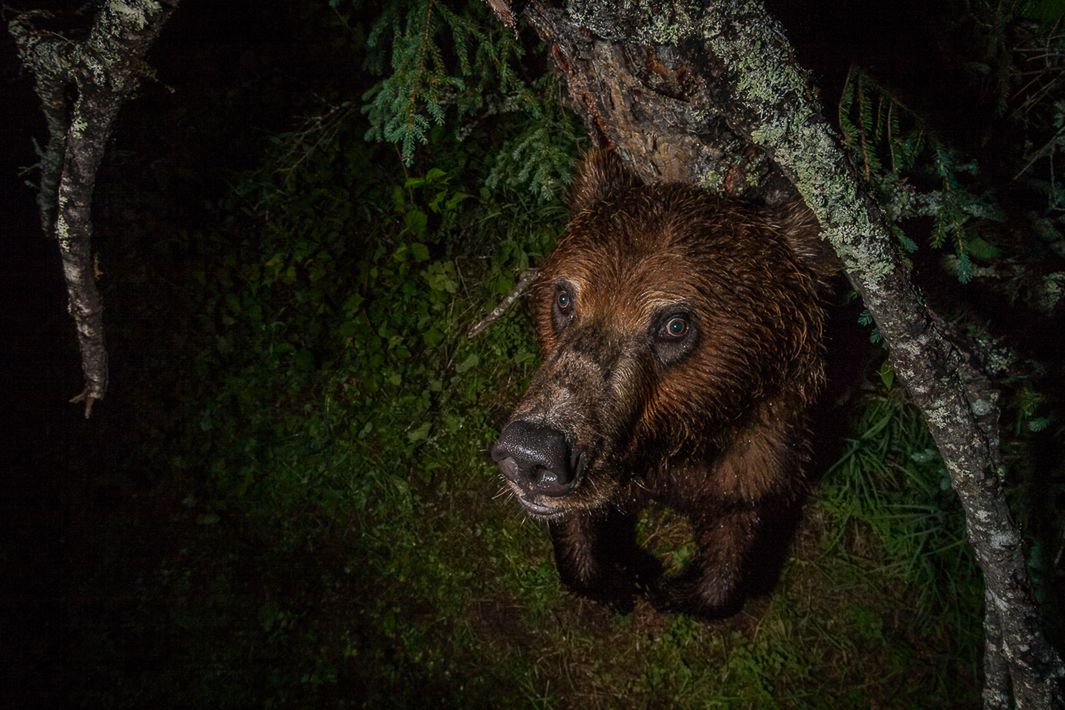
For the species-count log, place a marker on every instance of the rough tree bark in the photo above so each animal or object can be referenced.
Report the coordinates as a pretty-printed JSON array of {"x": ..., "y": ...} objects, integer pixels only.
[
  {"x": 102, "y": 70},
  {"x": 710, "y": 93}
]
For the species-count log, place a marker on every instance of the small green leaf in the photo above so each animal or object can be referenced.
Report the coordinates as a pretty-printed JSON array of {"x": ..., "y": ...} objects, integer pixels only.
[
  {"x": 922, "y": 456},
  {"x": 470, "y": 362},
  {"x": 348, "y": 329},
  {"x": 438, "y": 198},
  {"x": 432, "y": 337},
  {"x": 420, "y": 434},
  {"x": 887, "y": 375},
  {"x": 419, "y": 251},
  {"x": 983, "y": 249},
  {"x": 351, "y": 304},
  {"x": 454, "y": 200},
  {"x": 503, "y": 284},
  {"x": 416, "y": 222}
]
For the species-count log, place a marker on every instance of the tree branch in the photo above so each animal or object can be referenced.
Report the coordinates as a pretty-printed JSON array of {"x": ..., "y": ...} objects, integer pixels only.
[
  {"x": 49, "y": 56},
  {"x": 526, "y": 279},
  {"x": 996, "y": 670},
  {"x": 103, "y": 69}
]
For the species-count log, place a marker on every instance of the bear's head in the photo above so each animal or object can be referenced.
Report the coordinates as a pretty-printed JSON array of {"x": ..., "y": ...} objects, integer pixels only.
[{"x": 665, "y": 318}]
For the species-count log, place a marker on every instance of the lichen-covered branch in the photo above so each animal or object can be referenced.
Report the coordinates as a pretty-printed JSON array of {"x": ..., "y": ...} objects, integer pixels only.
[
  {"x": 996, "y": 669},
  {"x": 102, "y": 70},
  {"x": 659, "y": 107},
  {"x": 680, "y": 90},
  {"x": 50, "y": 58}
]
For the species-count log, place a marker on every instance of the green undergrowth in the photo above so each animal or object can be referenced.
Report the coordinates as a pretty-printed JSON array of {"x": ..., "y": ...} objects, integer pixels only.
[{"x": 343, "y": 537}]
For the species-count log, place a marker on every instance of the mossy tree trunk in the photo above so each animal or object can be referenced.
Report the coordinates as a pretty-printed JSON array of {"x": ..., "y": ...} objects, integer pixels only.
[
  {"x": 711, "y": 94},
  {"x": 82, "y": 86}
]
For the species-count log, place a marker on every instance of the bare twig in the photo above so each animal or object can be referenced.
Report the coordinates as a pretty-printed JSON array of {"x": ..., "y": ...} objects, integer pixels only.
[{"x": 527, "y": 277}]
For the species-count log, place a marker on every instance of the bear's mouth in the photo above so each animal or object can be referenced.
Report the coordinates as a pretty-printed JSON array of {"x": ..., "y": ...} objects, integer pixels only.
[
  {"x": 583, "y": 497},
  {"x": 540, "y": 510}
]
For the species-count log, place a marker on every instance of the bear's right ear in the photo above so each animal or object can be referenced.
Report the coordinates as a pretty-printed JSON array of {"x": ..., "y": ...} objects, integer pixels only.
[{"x": 600, "y": 173}]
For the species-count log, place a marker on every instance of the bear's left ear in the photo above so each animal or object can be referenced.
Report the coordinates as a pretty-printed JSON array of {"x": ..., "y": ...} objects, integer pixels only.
[
  {"x": 599, "y": 173},
  {"x": 803, "y": 233}
]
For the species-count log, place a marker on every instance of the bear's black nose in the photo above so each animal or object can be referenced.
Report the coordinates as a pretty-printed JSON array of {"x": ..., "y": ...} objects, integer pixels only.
[{"x": 535, "y": 457}]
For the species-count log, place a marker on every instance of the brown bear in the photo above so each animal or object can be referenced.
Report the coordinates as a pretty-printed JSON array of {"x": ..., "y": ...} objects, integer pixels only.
[{"x": 681, "y": 343}]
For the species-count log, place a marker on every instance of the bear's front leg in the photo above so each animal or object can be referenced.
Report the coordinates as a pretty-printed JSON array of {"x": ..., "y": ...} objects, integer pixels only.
[
  {"x": 597, "y": 557},
  {"x": 712, "y": 585},
  {"x": 745, "y": 503}
]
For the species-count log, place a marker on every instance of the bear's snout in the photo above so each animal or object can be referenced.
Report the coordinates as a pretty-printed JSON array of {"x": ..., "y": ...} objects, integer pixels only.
[{"x": 537, "y": 459}]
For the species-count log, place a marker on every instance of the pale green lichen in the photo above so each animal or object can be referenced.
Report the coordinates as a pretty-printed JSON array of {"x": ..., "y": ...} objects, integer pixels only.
[
  {"x": 859, "y": 256},
  {"x": 135, "y": 14},
  {"x": 769, "y": 133},
  {"x": 1004, "y": 539},
  {"x": 663, "y": 27},
  {"x": 939, "y": 416},
  {"x": 666, "y": 31},
  {"x": 711, "y": 180},
  {"x": 1050, "y": 291},
  {"x": 751, "y": 176},
  {"x": 1000, "y": 359}
]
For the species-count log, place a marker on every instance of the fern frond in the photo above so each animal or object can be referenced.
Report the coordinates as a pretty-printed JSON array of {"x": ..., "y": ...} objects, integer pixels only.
[
  {"x": 846, "y": 100},
  {"x": 866, "y": 129},
  {"x": 874, "y": 126}
]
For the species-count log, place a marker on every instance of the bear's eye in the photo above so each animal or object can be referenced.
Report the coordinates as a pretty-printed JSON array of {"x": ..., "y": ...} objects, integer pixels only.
[
  {"x": 563, "y": 300},
  {"x": 673, "y": 336},
  {"x": 677, "y": 327},
  {"x": 562, "y": 306}
]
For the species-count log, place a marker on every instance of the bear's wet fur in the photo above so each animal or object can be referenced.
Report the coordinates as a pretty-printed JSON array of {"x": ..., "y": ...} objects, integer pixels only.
[{"x": 681, "y": 341}]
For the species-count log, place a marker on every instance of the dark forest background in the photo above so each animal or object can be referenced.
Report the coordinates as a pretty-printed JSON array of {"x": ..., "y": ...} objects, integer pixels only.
[{"x": 285, "y": 499}]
